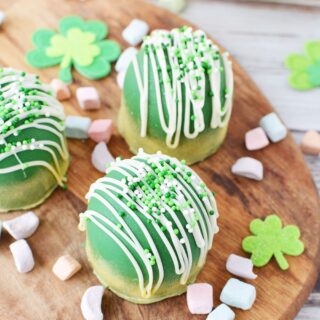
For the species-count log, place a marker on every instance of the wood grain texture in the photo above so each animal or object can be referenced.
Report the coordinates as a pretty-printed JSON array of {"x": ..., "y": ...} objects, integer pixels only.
[{"x": 39, "y": 294}]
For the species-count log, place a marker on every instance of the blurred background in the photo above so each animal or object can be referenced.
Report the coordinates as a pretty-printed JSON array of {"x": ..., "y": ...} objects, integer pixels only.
[{"x": 260, "y": 34}]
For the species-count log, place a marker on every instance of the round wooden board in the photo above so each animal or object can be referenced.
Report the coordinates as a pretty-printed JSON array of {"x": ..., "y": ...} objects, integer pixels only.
[{"x": 287, "y": 190}]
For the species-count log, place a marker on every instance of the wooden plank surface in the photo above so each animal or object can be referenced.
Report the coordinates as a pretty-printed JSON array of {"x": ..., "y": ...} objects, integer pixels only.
[{"x": 280, "y": 295}]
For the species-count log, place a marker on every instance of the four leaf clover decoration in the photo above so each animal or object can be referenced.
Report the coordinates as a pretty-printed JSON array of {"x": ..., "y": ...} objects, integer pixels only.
[
  {"x": 271, "y": 239},
  {"x": 80, "y": 44},
  {"x": 305, "y": 68}
]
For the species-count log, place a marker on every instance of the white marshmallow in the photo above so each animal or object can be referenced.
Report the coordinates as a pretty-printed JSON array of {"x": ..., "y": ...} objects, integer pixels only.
[
  {"x": 120, "y": 79},
  {"x": 249, "y": 168},
  {"x": 23, "y": 226},
  {"x": 173, "y": 5},
  {"x": 238, "y": 294},
  {"x": 222, "y": 312},
  {"x": 125, "y": 58},
  {"x": 2, "y": 17},
  {"x": 22, "y": 255},
  {"x": 0, "y": 228},
  {"x": 91, "y": 303},
  {"x": 241, "y": 267},
  {"x": 135, "y": 31},
  {"x": 101, "y": 156}
]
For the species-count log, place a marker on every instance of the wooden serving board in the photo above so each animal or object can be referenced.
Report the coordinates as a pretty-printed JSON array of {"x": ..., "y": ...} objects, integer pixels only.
[{"x": 287, "y": 190}]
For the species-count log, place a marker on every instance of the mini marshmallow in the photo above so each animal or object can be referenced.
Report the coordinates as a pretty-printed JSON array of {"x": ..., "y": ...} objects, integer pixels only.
[
  {"x": 241, "y": 267},
  {"x": 88, "y": 98},
  {"x": 101, "y": 130},
  {"x": 200, "y": 298},
  {"x": 22, "y": 255},
  {"x": 174, "y": 6},
  {"x": 120, "y": 79},
  {"x": 135, "y": 31},
  {"x": 256, "y": 139},
  {"x": 273, "y": 126},
  {"x": 61, "y": 89},
  {"x": 125, "y": 58},
  {"x": 2, "y": 17},
  {"x": 222, "y": 312},
  {"x": 101, "y": 156},
  {"x": 249, "y": 168},
  {"x": 238, "y": 294},
  {"x": 77, "y": 127},
  {"x": 66, "y": 267},
  {"x": 310, "y": 143},
  {"x": 23, "y": 226},
  {"x": 91, "y": 303}
]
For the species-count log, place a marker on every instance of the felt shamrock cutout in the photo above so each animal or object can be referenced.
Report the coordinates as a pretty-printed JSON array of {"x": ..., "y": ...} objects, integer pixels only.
[
  {"x": 305, "y": 68},
  {"x": 270, "y": 239},
  {"x": 80, "y": 44}
]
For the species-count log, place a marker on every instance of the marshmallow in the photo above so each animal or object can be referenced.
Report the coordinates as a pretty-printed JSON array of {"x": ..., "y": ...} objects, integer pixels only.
[
  {"x": 249, "y": 168},
  {"x": 310, "y": 143},
  {"x": 238, "y": 294},
  {"x": 222, "y": 312},
  {"x": 274, "y": 128},
  {"x": 88, "y": 98},
  {"x": 66, "y": 267},
  {"x": 120, "y": 78},
  {"x": 175, "y": 6},
  {"x": 101, "y": 156},
  {"x": 77, "y": 127},
  {"x": 135, "y": 31},
  {"x": 200, "y": 298},
  {"x": 91, "y": 303},
  {"x": 2, "y": 17},
  {"x": 61, "y": 89},
  {"x": 125, "y": 58},
  {"x": 0, "y": 228},
  {"x": 241, "y": 267},
  {"x": 256, "y": 139},
  {"x": 101, "y": 130},
  {"x": 22, "y": 255},
  {"x": 23, "y": 226}
]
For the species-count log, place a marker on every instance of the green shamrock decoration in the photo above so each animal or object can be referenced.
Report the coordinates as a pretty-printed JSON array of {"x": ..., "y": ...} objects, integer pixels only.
[
  {"x": 305, "y": 68},
  {"x": 80, "y": 44},
  {"x": 270, "y": 239}
]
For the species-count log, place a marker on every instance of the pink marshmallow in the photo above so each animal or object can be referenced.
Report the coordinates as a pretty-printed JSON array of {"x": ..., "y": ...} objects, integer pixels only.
[
  {"x": 88, "y": 98},
  {"x": 101, "y": 130},
  {"x": 310, "y": 143},
  {"x": 256, "y": 139},
  {"x": 200, "y": 298},
  {"x": 61, "y": 89}
]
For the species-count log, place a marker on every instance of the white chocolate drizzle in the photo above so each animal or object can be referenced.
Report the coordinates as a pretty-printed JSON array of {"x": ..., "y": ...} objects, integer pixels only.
[
  {"x": 27, "y": 104},
  {"x": 185, "y": 59},
  {"x": 161, "y": 191}
]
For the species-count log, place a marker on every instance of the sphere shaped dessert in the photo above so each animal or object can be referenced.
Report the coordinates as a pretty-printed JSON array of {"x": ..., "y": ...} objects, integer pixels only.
[
  {"x": 33, "y": 151},
  {"x": 149, "y": 225},
  {"x": 177, "y": 96}
]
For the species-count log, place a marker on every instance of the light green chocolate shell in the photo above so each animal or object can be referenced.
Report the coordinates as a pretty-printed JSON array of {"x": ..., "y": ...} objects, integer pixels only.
[
  {"x": 149, "y": 225},
  {"x": 168, "y": 62},
  {"x": 33, "y": 151}
]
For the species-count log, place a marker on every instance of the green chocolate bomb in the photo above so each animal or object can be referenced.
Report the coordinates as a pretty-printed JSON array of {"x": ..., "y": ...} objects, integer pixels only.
[
  {"x": 177, "y": 96},
  {"x": 149, "y": 225},
  {"x": 33, "y": 151}
]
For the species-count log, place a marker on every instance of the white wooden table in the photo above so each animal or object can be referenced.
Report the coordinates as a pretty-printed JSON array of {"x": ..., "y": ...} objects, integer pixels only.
[{"x": 260, "y": 36}]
